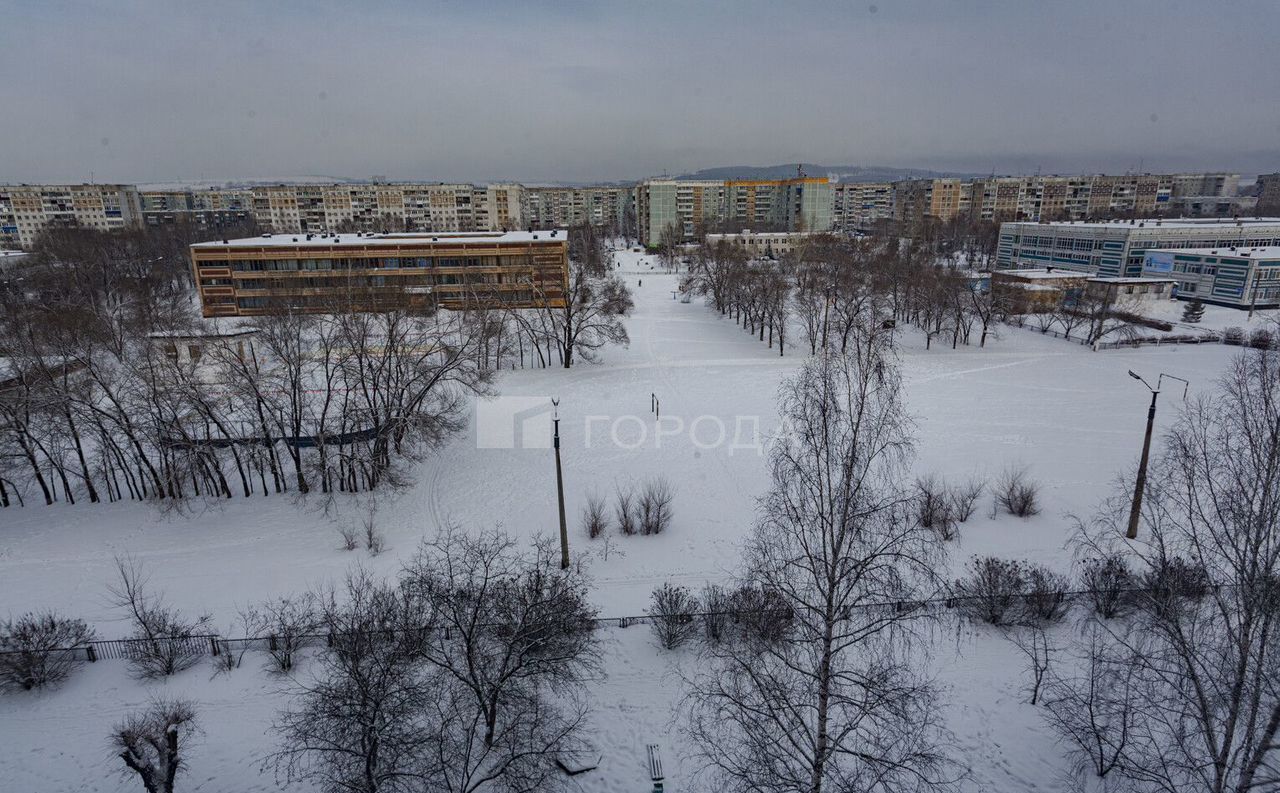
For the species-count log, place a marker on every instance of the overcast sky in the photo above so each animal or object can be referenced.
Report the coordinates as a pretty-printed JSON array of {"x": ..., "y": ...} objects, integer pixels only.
[{"x": 541, "y": 91}]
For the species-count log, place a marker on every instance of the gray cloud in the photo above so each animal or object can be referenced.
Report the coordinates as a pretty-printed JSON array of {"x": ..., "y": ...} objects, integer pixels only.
[{"x": 150, "y": 91}]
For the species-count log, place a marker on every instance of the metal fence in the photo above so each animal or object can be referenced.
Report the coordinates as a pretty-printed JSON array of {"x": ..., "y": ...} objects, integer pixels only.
[{"x": 214, "y": 645}]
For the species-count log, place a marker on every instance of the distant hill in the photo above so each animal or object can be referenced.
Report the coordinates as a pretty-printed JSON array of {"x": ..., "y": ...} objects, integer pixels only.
[{"x": 844, "y": 173}]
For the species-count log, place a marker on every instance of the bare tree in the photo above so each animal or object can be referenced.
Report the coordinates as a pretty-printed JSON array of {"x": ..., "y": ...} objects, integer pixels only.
[
  {"x": 515, "y": 643},
  {"x": 1095, "y": 708},
  {"x": 152, "y": 743},
  {"x": 361, "y": 723},
  {"x": 834, "y": 703},
  {"x": 165, "y": 641},
  {"x": 591, "y": 314},
  {"x": 1033, "y": 643}
]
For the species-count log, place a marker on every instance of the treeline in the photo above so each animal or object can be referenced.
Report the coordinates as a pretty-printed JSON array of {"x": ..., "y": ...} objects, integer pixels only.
[{"x": 831, "y": 289}]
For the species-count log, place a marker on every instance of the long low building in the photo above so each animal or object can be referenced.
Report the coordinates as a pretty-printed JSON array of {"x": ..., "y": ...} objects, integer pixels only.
[
  {"x": 275, "y": 274},
  {"x": 1240, "y": 277},
  {"x": 1117, "y": 248}
]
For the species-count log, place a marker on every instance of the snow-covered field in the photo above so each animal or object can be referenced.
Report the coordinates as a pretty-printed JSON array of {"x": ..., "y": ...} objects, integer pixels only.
[{"x": 1072, "y": 415}]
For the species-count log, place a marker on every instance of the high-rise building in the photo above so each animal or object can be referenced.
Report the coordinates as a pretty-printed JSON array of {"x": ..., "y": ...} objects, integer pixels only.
[
  {"x": 302, "y": 209},
  {"x": 858, "y": 206},
  {"x": 1118, "y": 247},
  {"x": 559, "y": 207},
  {"x": 27, "y": 210},
  {"x": 689, "y": 207},
  {"x": 1269, "y": 194}
]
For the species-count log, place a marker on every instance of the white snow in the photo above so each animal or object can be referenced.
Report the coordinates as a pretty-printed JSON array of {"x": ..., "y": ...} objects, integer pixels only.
[{"x": 1072, "y": 415}]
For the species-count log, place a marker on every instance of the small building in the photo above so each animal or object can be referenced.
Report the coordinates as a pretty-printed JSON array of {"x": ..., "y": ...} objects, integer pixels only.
[
  {"x": 11, "y": 260},
  {"x": 1029, "y": 291},
  {"x": 765, "y": 244},
  {"x": 1131, "y": 290},
  {"x": 1236, "y": 276},
  {"x": 192, "y": 349}
]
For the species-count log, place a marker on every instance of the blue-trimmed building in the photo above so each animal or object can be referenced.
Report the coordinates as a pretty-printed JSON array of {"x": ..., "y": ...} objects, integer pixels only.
[
  {"x": 1118, "y": 248},
  {"x": 1240, "y": 277}
]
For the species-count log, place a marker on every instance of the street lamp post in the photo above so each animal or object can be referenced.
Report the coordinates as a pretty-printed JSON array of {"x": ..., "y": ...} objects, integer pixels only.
[
  {"x": 564, "y": 529},
  {"x": 1141, "y": 483}
]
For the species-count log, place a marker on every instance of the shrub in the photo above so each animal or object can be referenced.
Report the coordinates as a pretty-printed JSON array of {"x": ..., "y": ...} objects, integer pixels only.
[
  {"x": 1171, "y": 580},
  {"x": 595, "y": 521},
  {"x": 285, "y": 624},
  {"x": 671, "y": 615},
  {"x": 38, "y": 650},
  {"x": 716, "y": 612},
  {"x": 990, "y": 590},
  {"x": 1233, "y": 335},
  {"x": 964, "y": 498},
  {"x": 624, "y": 512},
  {"x": 1046, "y": 599},
  {"x": 1018, "y": 493},
  {"x": 1109, "y": 583},
  {"x": 349, "y": 539},
  {"x": 655, "y": 506},
  {"x": 934, "y": 507},
  {"x": 1260, "y": 339},
  {"x": 761, "y": 614}
]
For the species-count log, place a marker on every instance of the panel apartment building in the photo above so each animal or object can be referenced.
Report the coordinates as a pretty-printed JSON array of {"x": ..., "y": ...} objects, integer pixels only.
[
  {"x": 1058, "y": 197},
  {"x": 859, "y": 206},
  {"x": 560, "y": 207},
  {"x": 275, "y": 274},
  {"x": 690, "y": 206},
  {"x": 1119, "y": 248},
  {"x": 27, "y": 210}
]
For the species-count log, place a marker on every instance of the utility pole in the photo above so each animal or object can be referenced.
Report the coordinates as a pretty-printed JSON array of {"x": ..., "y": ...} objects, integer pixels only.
[
  {"x": 1140, "y": 485},
  {"x": 564, "y": 529}
]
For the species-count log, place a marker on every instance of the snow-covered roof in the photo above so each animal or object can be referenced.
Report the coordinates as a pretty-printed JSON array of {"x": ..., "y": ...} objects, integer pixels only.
[
  {"x": 1255, "y": 252},
  {"x": 1110, "y": 279},
  {"x": 366, "y": 240},
  {"x": 1032, "y": 275},
  {"x": 1147, "y": 223}
]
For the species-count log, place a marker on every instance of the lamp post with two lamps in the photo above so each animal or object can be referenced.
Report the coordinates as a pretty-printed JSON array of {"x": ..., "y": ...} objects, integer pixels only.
[{"x": 1141, "y": 484}]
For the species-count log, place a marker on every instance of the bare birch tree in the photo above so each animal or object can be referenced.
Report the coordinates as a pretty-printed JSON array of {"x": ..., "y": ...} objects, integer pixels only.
[{"x": 836, "y": 703}]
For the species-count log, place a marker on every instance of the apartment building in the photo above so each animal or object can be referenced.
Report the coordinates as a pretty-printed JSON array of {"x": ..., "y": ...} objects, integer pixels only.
[
  {"x": 858, "y": 206},
  {"x": 691, "y": 206},
  {"x": 374, "y": 272},
  {"x": 1268, "y": 190},
  {"x": 1057, "y": 197},
  {"x": 27, "y": 210},
  {"x": 1119, "y": 248},
  {"x": 559, "y": 207},
  {"x": 1236, "y": 276},
  {"x": 319, "y": 208}
]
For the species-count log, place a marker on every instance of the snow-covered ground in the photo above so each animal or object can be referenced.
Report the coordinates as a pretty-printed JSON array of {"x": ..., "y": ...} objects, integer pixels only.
[{"x": 1072, "y": 415}]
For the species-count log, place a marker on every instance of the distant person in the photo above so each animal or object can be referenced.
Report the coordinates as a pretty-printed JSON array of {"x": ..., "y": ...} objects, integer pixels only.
[{"x": 639, "y": 282}]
